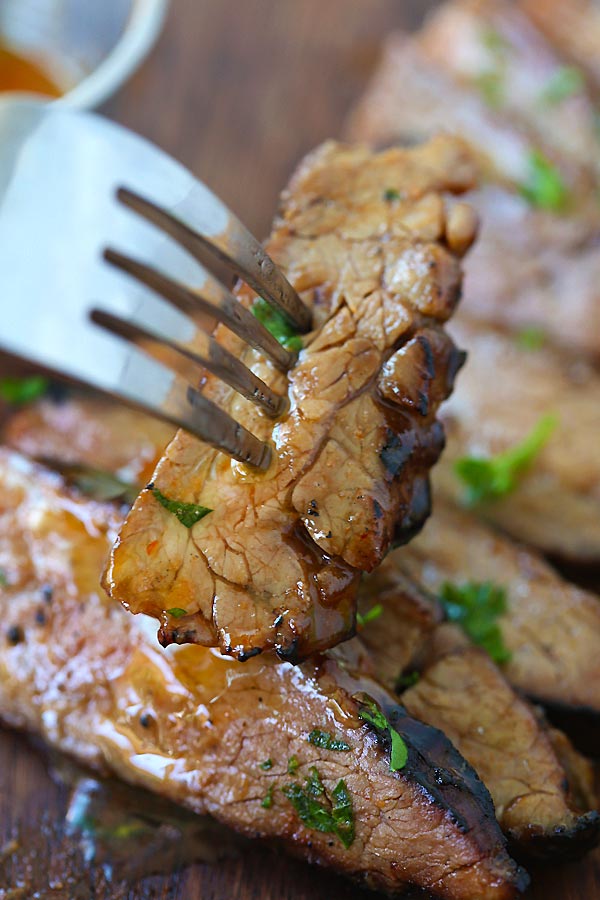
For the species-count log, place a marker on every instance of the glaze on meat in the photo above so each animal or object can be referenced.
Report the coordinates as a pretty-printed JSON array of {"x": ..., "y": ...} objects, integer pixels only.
[{"x": 368, "y": 242}]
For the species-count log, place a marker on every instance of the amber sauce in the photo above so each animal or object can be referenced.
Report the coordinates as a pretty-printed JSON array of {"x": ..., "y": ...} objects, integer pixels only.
[{"x": 17, "y": 73}]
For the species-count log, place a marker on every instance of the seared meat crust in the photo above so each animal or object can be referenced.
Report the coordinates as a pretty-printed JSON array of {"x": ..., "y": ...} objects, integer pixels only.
[
  {"x": 541, "y": 787},
  {"x": 367, "y": 242},
  {"x": 551, "y": 627},
  {"x": 196, "y": 726},
  {"x": 465, "y": 695}
]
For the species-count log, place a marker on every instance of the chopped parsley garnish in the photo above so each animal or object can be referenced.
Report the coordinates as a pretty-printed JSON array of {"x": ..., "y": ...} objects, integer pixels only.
[
  {"x": 267, "y": 800},
  {"x": 476, "y": 607},
  {"x": 330, "y": 815},
  {"x": 531, "y": 338},
  {"x": 391, "y": 194},
  {"x": 494, "y": 41},
  {"x": 277, "y": 324},
  {"x": 491, "y": 85},
  {"x": 490, "y": 478},
  {"x": 100, "y": 485},
  {"x": 371, "y": 713},
  {"x": 566, "y": 81},
  {"x": 490, "y": 81},
  {"x": 187, "y": 513},
  {"x": 292, "y": 765},
  {"x": 3, "y": 578},
  {"x": 369, "y": 616},
  {"x": 406, "y": 680},
  {"x": 19, "y": 391},
  {"x": 177, "y": 612},
  {"x": 326, "y": 741},
  {"x": 266, "y": 765},
  {"x": 544, "y": 187}
]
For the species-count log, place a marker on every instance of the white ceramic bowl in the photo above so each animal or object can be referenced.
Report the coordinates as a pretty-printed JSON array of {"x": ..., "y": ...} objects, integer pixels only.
[{"x": 89, "y": 47}]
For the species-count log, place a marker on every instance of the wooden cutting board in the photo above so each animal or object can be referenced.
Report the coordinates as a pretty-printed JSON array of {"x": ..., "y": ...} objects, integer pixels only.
[{"x": 238, "y": 90}]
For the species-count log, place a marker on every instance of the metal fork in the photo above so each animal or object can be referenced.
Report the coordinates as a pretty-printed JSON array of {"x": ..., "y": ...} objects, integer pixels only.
[{"x": 78, "y": 192}]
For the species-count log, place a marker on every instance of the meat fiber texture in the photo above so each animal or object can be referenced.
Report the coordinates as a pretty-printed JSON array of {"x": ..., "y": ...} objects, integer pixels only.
[
  {"x": 216, "y": 735},
  {"x": 368, "y": 242},
  {"x": 544, "y": 797}
]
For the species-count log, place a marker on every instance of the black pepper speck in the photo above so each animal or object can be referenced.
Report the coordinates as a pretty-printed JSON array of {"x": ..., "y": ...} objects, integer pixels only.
[{"x": 15, "y": 635}]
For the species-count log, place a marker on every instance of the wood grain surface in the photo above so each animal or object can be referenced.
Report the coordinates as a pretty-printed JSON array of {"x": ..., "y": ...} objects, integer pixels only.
[{"x": 238, "y": 90}]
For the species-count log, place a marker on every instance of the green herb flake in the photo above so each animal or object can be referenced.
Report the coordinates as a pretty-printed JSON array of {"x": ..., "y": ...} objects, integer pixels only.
[
  {"x": 544, "y": 187},
  {"x": 390, "y": 195},
  {"x": 488, "y": 479},
  {"x": 267, "y": 800},
  {"x": 292, "y": 765},
  {"x": 3, "y": 578},
  {"x": 371, "y": 713},
  {"x": 370, "y": 616},
  {"x": 326, "y": 741},
  {"x": 531, "y": 338},
  {"x": 329, "y": 815},
  {"x": 564, "y": 83},
  {"x": 266, "y": 765},
  {"x": 476, "y": 607},
  {"x": 406, "y": 680},
  {"x": 490, "y": 84},
  {"x": 20, "y": 391},
  {"x": 277, "y": 324},
  {"x": 177, "y": 612},
  {"x": 100, "y": 485},
  {"x": 343, "y": 813},
  {"x": 493, "y": 41},
  {"x": 187, "y": 513}
]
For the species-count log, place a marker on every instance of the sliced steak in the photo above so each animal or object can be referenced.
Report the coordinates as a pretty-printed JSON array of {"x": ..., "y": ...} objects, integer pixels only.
[
  {"x": 277, "y": 560},
  {"x": 493, "y": 48},
  {"x": 550, "y": 627},
  {"x": 542, "y": 788},
  {"x": 410, "y": 98},
  {"x": 85, "y": 430},
  {"x": 555, "y": 505},
  {"x": 574, "y": 27},
  {"x": 221, "y": 737},
  {"x": 553, "y": 278}
]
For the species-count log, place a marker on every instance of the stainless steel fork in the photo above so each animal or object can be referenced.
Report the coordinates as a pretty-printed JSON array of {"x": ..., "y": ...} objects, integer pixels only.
[{"x": 83, "y": 201}]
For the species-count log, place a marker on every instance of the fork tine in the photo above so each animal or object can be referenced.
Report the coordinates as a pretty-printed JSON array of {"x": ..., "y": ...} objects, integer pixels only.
[
  {"x": 208, "y": 354},
  {"x": 216, "y": 301},
  {"x": 235, "y": 247},
  {"x": 185, "y": 407}
]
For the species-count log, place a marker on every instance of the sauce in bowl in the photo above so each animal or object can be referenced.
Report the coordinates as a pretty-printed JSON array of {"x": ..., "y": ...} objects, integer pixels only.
[{"x": 18, "y": 73}]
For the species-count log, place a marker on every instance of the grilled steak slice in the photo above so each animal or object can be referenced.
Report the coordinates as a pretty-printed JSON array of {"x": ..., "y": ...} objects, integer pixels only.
[
  {"x": 574, "y": 27},
  {"x": 276, "y": 562},
  {"x": 84, "y": 430},
  {"x": 410, "y": 98},
  {"x": 554, "y": 272},
  {"x": 553, "y": 280},
  {"x": 550, "y": 627},
  {"x": 493, "y": 48},
  {"x": 219, "y": 736},
  {"x": 541, "y": 787},
  {"x": 466, "y": 696},
  {"x": 556, "y": 503}
]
